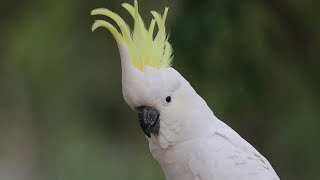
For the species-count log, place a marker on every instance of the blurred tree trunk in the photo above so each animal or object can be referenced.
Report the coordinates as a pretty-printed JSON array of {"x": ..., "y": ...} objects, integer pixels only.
[{"x": 17, "y": 148}]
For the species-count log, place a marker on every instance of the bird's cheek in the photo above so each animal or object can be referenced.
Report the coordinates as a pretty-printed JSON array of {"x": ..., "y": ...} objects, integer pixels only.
[
  {"x": 163, "y": 142},
  {"x": 168, "y": 133}
]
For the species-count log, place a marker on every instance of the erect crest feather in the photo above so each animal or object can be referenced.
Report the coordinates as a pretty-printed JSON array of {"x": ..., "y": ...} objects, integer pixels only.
[{"x": 144, "y": 48}]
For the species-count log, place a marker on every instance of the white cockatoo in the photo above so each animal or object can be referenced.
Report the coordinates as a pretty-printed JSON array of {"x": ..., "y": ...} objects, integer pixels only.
[{"x": 185, "y": 137}]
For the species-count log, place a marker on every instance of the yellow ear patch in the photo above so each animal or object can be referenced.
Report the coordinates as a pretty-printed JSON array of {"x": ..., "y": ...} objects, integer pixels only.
[{"x": 144, "y": 48}]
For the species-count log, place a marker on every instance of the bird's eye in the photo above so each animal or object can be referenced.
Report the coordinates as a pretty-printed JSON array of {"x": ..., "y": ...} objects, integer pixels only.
[{"x": 168, "y": 99}]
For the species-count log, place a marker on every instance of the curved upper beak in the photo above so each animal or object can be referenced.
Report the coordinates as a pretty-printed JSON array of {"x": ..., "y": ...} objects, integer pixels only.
[{"x": 149, "y": 120}]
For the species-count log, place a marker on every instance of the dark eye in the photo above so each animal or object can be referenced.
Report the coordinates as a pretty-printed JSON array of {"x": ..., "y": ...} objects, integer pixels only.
[{"x": 168, "y": 99}]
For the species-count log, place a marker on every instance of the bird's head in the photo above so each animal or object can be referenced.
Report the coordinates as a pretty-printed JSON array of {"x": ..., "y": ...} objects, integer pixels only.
[{"x": 150, "y": 86}]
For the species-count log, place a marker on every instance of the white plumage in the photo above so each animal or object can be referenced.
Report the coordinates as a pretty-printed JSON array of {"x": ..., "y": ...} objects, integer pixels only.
[
  {"x": 191, "y": 144},
  {"x": 206, "y": 148}
]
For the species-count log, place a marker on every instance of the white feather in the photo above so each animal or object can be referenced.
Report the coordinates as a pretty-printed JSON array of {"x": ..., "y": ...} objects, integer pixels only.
[{"x": 201, "y": 147}]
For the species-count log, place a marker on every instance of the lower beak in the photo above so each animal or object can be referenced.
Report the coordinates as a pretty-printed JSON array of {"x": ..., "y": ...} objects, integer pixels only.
[{"x": 149, "y": 120}]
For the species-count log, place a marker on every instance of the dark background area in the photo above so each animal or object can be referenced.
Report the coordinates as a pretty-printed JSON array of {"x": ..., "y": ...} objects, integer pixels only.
[{"x": 62, "y": 114}]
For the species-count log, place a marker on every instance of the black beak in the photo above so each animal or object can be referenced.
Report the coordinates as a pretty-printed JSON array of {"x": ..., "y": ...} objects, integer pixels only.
[{"x": 149, "y": 120}]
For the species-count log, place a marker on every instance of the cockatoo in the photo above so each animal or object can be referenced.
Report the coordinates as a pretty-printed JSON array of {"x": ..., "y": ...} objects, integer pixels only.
[{"x": 185, "y": 137}]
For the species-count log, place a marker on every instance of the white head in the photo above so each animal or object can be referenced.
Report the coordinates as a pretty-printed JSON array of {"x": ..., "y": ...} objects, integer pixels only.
[{"x": 165, "y": 100}]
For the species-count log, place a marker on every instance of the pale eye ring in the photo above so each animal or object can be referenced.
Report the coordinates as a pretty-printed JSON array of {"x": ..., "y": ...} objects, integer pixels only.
[{"x": 168, "y": 99}]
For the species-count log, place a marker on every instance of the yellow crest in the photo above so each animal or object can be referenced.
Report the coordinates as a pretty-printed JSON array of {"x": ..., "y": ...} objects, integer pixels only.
[{"x": 143, "y": 47}]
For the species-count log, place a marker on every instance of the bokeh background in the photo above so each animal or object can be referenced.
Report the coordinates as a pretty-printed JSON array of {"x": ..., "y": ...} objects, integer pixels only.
[{"x": 62, "y": 114}]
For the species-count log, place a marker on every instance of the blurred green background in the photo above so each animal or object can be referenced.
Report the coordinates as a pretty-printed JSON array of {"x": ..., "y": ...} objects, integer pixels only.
[{"x": 62, "y": 114}]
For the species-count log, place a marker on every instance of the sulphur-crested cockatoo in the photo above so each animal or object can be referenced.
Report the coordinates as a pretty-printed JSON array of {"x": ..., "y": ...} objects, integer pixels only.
[{"x": 185, "y": 137}]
